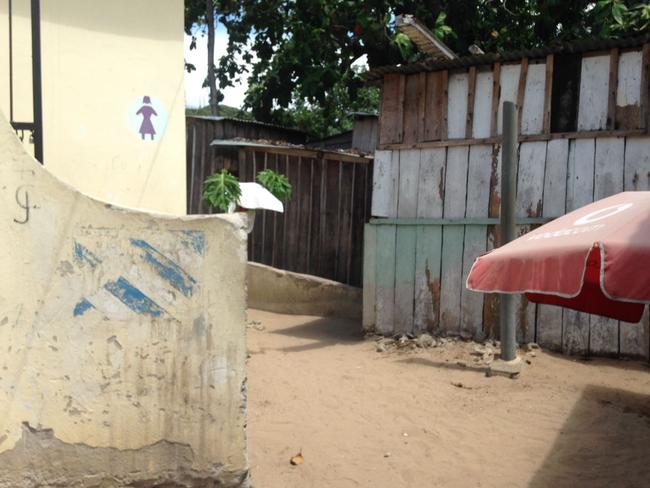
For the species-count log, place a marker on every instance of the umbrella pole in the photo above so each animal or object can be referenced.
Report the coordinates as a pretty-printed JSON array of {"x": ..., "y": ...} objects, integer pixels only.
[
  {"x": 509, "y": 364},
  {"x": 508, "y": 199}
]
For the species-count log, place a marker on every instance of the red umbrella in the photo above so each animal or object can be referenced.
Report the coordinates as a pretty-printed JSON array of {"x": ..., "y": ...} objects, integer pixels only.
[{"x": 595, "y": 259}]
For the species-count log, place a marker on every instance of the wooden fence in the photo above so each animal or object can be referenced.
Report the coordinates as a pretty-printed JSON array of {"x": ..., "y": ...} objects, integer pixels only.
[
  {"x": 321, "y": 230},
  {"x": 442, "y": 206}
]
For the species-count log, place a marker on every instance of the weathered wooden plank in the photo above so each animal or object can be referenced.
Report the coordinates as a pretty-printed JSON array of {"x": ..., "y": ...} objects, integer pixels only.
[
  {"x": 431, "y": 183},
  {"x": 479, "y": 174},
  {"x": 451, "y": 274},
  {"x": 548, "y": 93},
  {"x": 532, "y": 121},
  {"x": 580, "y": 178},
  {"x": 580, "y": 186},
  {"x": 549, "y": 327},
  {"x": 508, "y": 93},
  {"x": 405, "y": 278},
  {"x": 409, "y": 168},
  {"x": 530, "y": 190},
  {"x": 471, "y": 94},
  {"x": 427, "y": 279},
  {"x": 628, "y": 93},
  {"x": 530, "y": 179},
  {"x": 269, "y": 243},
  {"x": 411, "y": 109},
  {"x": 385, "y": 280},
  {"x": 521, "y": 89},
  {"x": 549, "y": 318},
  {"x": 346, "y": 190},
  {"x": 483, "y": 105},
  {"x": 429, "y": 241},
  {"x": 456, "y": 181},
  {"x": 575, "y": 333},
  {"x": 613, "y": 88},
  {"x": 645, "y": 86},
  {"x": 604, "y": 332},
  {"x": 369, "y": 276},
  {"x": 358, "y": 221},
  {"x": 457, "y": 105},
  {"x": 496, "y": 96},
  {"x": 555, "y": 178},
  {"x": 471, "y": 322},
  {"x": 491, "y": 300},
  {"x": 478, "y": 181},
  {"x": 635, "y": 338},
  {"x": 422, "y": 105},
  {"x": 392, "y": 109},
  {"x": 329, "y": 249},
  {"x": 432, "y": 118},
  {"x": 385, "y": 184},
  {"x": 592, "y": 106},
  {"x": 525, "y": 310},
  {"x": 445, "y": 105},
  {"x": 637, "y": 164},
  {"x": 609, "y": 161},
  {"x": 317, "y": 222}
]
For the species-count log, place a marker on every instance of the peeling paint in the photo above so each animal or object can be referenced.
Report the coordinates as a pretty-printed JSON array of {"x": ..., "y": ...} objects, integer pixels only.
[
  {"x": 165, "y": 267},
  {"x": 195, "y": 240},
  {"x": 83, "y": 255},
  {"x": 133, "y": 298},
  {"x": 82, "y": 307}
]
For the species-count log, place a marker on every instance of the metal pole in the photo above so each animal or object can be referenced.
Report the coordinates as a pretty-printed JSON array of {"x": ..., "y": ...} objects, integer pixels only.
[
  {"x": 508, "y": 198},
  {"x": 36, "y": 80}
]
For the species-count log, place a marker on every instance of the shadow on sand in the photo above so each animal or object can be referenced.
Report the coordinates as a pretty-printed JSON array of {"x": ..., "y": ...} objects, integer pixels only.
[
  {"x": 323, "y": 332},
  {"x": 605, "y": 442}
]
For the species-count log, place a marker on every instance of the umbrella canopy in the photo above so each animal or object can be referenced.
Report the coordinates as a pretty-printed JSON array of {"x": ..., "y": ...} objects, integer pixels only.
[{"x": 595, "y": 259}]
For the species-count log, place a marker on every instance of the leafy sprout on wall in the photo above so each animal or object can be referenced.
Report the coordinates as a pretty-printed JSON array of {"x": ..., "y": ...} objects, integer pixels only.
[{"x": 222, "y": 189}]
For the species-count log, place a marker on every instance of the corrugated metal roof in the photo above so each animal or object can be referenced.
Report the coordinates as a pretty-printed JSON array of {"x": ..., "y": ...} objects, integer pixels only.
[
  {"x": 571, "y": 47},
  {"x": 219, "y": 118},
  {"x": 293, "y": 149}
]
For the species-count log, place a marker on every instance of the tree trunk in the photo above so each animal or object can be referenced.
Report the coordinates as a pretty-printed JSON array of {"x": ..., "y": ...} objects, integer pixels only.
[{"x": 212, "y": 80}]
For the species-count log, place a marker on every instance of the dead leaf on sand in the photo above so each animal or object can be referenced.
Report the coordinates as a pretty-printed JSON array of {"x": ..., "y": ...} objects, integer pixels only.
[{"x": 297, "y": 459}]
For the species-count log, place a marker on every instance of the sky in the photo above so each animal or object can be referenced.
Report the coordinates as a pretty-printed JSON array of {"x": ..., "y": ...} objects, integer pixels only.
[{"x": 195, "y": 95}]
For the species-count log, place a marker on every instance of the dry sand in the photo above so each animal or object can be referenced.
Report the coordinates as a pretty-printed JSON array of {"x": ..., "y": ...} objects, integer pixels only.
[{"x": 364, "y": 418}]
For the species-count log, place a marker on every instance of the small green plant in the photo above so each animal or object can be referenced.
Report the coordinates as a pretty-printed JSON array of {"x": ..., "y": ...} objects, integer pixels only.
[
  {"x": 221, "y": 189},
  {"x": 276, "y": 183}
]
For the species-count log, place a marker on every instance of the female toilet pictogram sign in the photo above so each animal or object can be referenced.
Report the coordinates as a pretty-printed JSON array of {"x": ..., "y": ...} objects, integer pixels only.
[
  {"x": 147, "y": 111},
  {"x": 148, "y": 118}
]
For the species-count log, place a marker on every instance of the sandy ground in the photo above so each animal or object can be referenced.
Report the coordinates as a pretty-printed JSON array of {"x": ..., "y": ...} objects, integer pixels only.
[{"x": 364, "y": 418}]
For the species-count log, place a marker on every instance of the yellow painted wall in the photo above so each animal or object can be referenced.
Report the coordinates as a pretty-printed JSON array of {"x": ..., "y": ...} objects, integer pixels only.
[{"x": 99, "y": 59}]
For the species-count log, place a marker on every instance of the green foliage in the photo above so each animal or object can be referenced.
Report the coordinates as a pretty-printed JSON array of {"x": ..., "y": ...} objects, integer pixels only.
[
  {"x": 224, "y": 111},
  {"x": 299, "y": 58},
  {"x": 276, "y": 183},
  {"x": 221, "y": 189}
]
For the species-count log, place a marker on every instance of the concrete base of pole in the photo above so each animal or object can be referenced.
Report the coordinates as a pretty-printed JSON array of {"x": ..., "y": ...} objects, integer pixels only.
[{"x": 510, "y": 369}]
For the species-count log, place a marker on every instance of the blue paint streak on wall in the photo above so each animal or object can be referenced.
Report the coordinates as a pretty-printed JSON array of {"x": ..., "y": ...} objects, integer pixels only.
[
  {"x": 82, "y": 307},
  {"x": 133, "y": 298},
  {"x": 195, "y": 240},
  {"x": 83, "y": 254},
  {"x": 166, "y": 268}
]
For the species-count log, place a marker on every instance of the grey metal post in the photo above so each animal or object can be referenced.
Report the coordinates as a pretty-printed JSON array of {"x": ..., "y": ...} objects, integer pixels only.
[{"x": 508, "y": 198}]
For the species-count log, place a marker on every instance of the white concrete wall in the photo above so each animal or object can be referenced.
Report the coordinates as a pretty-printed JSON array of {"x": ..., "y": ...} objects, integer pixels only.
[
  {"x": 123, "y": 339},
  {"x": 99, "y": 59}
]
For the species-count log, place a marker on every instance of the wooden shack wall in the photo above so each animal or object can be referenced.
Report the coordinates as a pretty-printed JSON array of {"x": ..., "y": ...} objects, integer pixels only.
[
  {"x": 321, "y": 230},
  {"x": 436, "y": 192}
]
